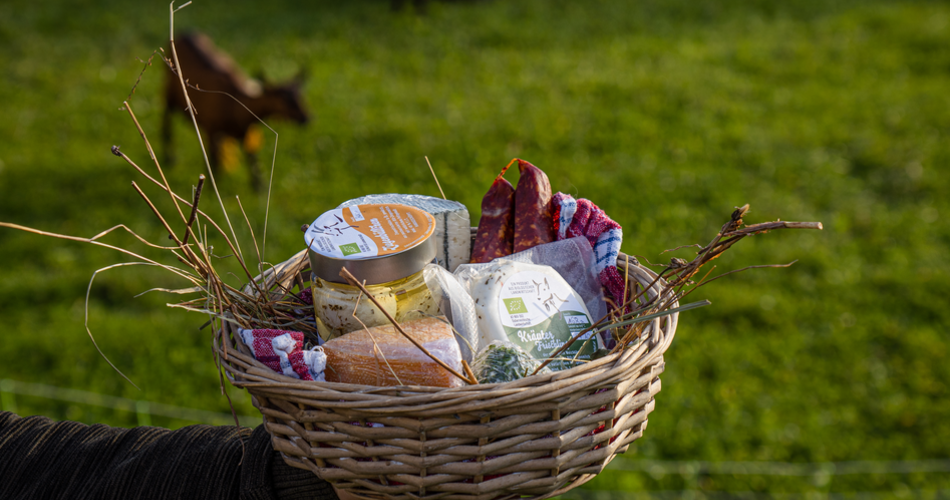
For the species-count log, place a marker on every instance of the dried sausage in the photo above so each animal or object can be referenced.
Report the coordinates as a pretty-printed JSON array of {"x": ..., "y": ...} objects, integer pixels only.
[
  {"x": 496, "y": 228},
  {"x": 534, "y": 217}
]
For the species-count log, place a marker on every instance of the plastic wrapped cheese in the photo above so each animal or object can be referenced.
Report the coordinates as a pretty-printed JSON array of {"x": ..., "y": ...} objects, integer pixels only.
[
  {"x": 381, "y": 356},
  {"x": 452, "y": 224},
  {"x": 533, "y": 307}
]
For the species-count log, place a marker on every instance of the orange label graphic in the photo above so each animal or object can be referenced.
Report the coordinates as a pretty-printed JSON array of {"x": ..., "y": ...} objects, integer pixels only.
[{"x": 367, "y": 231}]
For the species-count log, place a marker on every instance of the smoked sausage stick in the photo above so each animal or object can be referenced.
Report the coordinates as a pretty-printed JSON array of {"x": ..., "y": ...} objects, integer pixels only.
[
  {"x": 534, "y": 214},
  {"x": 496, "y": 228}
]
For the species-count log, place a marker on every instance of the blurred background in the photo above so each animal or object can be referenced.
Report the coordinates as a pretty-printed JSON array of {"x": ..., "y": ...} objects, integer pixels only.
[{"x": 825, "y": 379}]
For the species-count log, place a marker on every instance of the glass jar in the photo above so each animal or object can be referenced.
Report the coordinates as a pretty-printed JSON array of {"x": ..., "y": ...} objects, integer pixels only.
[{"x": 404, "y": 299}]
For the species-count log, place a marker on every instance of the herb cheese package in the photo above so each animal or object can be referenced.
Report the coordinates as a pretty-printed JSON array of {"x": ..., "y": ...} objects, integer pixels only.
[
  {"x": 533, "y": 307},
  {"x": 503, "y": 362}
]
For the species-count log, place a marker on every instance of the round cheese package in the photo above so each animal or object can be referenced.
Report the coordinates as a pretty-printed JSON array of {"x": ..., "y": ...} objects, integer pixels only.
[{"x": 533, "y": 307}]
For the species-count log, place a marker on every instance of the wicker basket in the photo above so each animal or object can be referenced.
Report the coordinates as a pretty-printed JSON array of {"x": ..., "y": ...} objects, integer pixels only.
[{"x": 536, "y": 437}]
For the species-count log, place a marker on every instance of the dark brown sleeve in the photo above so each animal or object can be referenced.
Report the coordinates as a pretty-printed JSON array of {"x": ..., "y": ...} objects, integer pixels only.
[
  {"x": 40, "y": 458},
  {"x": 534, "y": 217},
  {"x": 496, "y": 228}
]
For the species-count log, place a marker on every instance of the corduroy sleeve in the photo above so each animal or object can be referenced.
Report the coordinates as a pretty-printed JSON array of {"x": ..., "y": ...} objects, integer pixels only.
[{"x": 40, "y": 458}]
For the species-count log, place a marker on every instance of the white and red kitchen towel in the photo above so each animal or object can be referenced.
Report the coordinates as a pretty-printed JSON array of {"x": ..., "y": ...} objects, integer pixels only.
[
  {"x": 583, "y": 218},
  {"x": 283, "y": 352}
]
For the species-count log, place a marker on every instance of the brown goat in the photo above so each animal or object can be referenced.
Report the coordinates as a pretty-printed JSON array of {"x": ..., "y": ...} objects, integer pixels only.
[{"x": 205, "y": 66}]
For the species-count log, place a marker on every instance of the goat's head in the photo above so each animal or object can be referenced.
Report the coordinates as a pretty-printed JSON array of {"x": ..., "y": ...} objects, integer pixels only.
[{"x": 287, "y": 99}]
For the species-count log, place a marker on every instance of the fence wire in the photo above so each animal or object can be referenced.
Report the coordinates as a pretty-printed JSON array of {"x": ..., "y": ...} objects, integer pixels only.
[
  {"x": 820, "y": 471},
  {"x": 582, "y": 494},
  {"x": 689, "y": 468},
  {"x": 820, "y": 474}
]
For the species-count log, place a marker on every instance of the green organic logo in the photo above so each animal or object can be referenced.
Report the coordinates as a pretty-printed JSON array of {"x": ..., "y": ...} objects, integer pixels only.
[
  {"x": 349, "y": 249},
  {"x": 515, "y": 305}
]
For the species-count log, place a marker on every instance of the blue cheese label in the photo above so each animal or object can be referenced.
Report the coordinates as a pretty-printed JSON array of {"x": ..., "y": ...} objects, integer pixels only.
[{"x": 541, "y": 313}]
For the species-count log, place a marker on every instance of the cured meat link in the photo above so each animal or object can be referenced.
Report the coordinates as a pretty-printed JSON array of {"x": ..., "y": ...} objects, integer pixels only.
[
  {"x": 534, "y": 214},
  {"x": 496, "y": 228}
]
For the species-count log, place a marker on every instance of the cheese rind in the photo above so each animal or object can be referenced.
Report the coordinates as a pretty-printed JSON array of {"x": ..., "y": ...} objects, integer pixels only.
[{"x": 452, "y": 224}]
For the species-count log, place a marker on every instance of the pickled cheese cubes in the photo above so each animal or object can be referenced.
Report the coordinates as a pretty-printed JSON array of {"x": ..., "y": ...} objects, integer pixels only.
[{"x": 381, "y": 356}]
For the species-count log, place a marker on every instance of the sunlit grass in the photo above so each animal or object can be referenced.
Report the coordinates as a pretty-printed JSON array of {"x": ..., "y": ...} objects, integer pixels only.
[{"x": 665, "y": 114}]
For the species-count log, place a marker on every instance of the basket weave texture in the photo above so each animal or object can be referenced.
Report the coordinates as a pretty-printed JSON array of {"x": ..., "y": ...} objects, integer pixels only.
[{"x": 535, "y": 437}]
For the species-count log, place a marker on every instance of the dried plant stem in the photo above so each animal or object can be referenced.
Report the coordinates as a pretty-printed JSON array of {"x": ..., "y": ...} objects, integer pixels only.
[
  {"x": 173, "y": 269},
  {"x": 144, "y": 261},
  {"x": 86, "y": 318},
  {"x": 192, "y": 260},
  {"x": 168, "y": 229},
  {"x": 147, "y": 63},
  {"x": 647, "y": 317},
  {"x": 260, "y": 262},
  {"x": 373, "y": 338},
  {"x": 194, "y": 208},
  {"x": 762, "y": 266},
  {"x": 436, "y": 178},
  {"x": 151, "y": 153},
  {"x": 231, "y": 245},
  {"x": 273, "y": 164},
  {"x": 191, "y": 113},
  {"x": 468, "y": 371},
  {"x": 345, "y": 274},
  {"x": 766, "y": 226},
  {"x": 678, "y": 273}
]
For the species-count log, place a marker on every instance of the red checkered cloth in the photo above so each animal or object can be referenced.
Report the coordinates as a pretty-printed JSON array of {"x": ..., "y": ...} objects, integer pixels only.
[
  {"x": 282, "y": 351},
  {"x": 582, "y": 218}
]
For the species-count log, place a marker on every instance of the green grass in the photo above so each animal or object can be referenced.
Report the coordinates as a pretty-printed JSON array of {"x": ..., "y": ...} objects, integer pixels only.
[{"x": 665, "y": 114}]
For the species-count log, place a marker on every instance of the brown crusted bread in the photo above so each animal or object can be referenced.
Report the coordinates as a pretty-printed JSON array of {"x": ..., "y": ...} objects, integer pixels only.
[{"x": 534, "y": 217}]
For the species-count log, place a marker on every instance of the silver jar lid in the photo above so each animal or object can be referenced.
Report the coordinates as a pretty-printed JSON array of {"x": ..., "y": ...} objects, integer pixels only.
[{"x": 377, "y": 243}]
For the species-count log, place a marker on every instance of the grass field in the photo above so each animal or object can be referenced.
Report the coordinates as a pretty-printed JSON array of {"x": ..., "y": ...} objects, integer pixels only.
[{"x": 665, "y": 114}]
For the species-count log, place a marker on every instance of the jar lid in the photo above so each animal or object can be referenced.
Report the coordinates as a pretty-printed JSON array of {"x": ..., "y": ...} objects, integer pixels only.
[{"x": 376, "y": 242}]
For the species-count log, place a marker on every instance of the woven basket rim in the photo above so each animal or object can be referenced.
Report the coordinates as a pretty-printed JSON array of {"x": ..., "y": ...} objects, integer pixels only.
[{"x": 247, "y": 372}]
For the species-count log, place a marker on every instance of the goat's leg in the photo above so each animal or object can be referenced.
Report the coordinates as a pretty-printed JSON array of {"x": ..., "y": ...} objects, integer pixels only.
[
  {"x": 214, "y": 151},
  {"x": 251, "y": 143},
  {"x": 254, "y": 169}
]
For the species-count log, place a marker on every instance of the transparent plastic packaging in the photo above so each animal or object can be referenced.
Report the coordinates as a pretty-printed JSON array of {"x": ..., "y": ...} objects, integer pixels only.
[
  {"x": 572, "y": 259},
  {"x": 405, "y": 299},
  {"x": 456, "y": 305},
  {"x": 502, "y": 361},
  {"x": 381, "y": 356}
]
